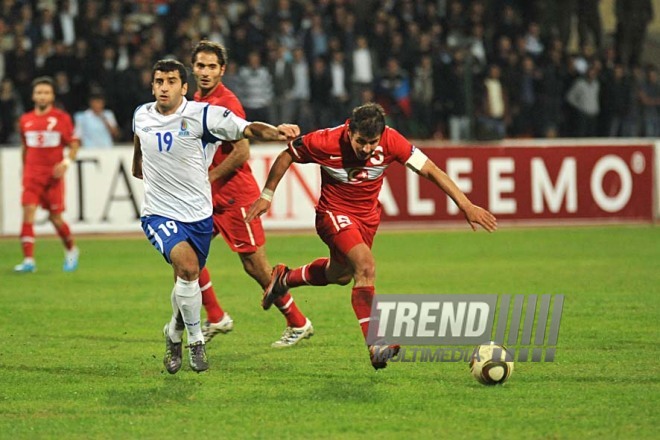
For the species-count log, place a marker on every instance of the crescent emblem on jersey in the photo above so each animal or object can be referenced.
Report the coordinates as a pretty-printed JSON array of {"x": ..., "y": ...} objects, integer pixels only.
[{"x": 357, "y": 175}]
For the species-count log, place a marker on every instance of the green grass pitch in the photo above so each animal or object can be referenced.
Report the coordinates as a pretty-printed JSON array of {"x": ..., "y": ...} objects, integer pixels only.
[{"x": 81, "y": 354}]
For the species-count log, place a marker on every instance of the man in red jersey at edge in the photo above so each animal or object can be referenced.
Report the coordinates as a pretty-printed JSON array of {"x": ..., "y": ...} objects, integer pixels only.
[
  {"x": 45, "y": 131},
  {"x": 353, "y": 158},
  {"x": 234, "y": 189}
]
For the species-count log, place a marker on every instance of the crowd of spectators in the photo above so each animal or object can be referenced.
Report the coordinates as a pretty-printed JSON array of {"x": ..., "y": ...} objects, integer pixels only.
[{"x": 444, "y": 69}]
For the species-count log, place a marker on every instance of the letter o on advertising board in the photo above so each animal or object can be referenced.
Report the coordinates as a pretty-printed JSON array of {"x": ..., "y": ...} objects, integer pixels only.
[{"x": 603, "y": 166}]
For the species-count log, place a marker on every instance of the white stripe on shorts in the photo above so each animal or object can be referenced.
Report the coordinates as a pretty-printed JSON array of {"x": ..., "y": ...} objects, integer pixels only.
[
  {"x": 334, "y": 221},
  {"x": 249, "y": 229}
]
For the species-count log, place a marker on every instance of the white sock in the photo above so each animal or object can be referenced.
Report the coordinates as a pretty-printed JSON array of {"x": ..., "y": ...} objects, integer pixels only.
[
  {"x": 174, "y": 334},
  {"x": 189, "y": 299}
]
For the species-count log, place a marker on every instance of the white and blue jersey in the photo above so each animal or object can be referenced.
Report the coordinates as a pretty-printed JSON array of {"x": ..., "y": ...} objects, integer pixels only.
[{"x": 177, "y": 150}]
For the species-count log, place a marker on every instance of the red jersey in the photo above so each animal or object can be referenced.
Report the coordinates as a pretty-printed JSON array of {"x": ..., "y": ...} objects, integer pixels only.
[
  {"x": 45, "y": 137},
  {"x": 349, "y": 184},
  {"x": 239, "y": 188}
]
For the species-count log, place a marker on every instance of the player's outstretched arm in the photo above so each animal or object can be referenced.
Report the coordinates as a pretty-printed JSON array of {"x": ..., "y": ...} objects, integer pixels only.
[
  {"x": 261, "y": 131},
  {"x": 137, "y": 158},
  {"x": 277, "y": 171},
  {"x": 473, "y": 214},
  {"x": 236, "y": 157}
]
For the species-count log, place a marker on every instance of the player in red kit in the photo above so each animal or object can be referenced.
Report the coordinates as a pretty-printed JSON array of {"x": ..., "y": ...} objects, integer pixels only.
[
  {"x": 353, "y": 158},
  {"x": 45, "y": 131},
  {"x": 234, "y": 189}
]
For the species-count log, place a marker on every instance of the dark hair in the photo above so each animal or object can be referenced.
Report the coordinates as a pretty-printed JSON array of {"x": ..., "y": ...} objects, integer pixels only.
[
  {"x": 212, "y": 47},
  {"x": 43, "y": 80},
  {"x": 170, "y": 66},
  {"x": 368, "y": 120}
]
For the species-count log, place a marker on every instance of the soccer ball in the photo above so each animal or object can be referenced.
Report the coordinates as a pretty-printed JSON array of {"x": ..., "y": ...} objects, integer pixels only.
[{"x": 491, "y": 364}]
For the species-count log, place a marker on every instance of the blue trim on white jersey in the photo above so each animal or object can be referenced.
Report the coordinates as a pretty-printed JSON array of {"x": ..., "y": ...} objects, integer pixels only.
[{"x": 207, "y": 136}]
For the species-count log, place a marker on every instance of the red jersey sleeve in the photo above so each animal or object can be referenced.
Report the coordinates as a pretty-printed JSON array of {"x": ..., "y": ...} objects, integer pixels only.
[
  {"x": 21, "y": 126},
  {"x": 232, "y": 103},
  {"x": 66, "y": 128},
  {"x": 302, "y": 148},
  {"x": 397, "y": 145}
]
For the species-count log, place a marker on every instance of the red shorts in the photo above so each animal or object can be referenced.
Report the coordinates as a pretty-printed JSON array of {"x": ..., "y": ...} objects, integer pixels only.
[
  {"x": 240, "y": 236},
  {"x": 341, "y": 232},
  {"x": 44, "y": 190}
]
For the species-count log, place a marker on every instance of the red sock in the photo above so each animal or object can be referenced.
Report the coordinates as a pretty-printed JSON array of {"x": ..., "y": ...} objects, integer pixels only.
[
  {"x": 65, "y": 234},
  {"x": 288, "y": 308},
  {"x": 27, "y": 240},
  {"x": 214, "y": 312},
  {"x": 361, "y": 298},
  {"x": 312, "y": 274}
]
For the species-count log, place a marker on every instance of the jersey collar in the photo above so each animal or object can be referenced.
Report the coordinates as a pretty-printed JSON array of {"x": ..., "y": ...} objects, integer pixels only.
[
  {"x": 215, "y": 92},
  {"x": 179, "y": 110}
]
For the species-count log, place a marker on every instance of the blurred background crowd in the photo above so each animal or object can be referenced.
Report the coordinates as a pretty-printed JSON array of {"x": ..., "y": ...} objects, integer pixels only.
[{"x": 443, "y": 69}]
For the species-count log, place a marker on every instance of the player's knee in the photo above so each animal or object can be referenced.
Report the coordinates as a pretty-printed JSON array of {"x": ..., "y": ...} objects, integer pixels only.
[
  {"x": 255, "y": 265},
  {"x": 188, "y": 273},
  {"x": 344, "y": 279},
  {"x": 365, "y": 271},
  {"x": 55, "y": 219},
  {"x": 29, "y": 212},
  {"x": 248, "y": 263}
]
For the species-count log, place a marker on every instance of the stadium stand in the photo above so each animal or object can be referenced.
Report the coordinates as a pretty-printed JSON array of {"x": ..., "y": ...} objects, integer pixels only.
[{"x": 429, "y": 63}]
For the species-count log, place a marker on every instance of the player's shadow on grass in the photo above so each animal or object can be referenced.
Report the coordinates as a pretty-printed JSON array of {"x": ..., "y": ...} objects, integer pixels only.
[
  {"x": 349, "y": 390},
  {"x": 72, "y": 374},
  {"x": 123, "y": 338},
  {"x": 150, "y": 397},
  {"x": 610, "y": 379}
]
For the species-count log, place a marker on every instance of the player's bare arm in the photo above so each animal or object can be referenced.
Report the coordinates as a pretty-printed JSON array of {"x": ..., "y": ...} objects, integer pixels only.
[
  {"x": 23, "y": 152},
  {"x": 60, "y": 168},
  {"x": 473, "y": 214},
  {"x": 237, "y": 157},
  {"x": 277, "y": 171},
  {"x": 265, "y": 132},
  {"x": 137, "y": 158}
]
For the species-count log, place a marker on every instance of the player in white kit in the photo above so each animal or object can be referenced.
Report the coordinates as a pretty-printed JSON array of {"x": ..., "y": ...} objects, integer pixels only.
[{"x": 175, "y": 140}]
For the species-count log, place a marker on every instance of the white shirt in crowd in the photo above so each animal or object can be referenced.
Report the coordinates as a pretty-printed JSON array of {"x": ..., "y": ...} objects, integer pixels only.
[
  {"x": 92, "y": 131},
  {"x": 362, "y": 66},
  {"x": 495, "y": 98},
  {"x": 300, "y": 81},
  {"x": 584, "y": 96},
  {"x": 338, "y": 74}
]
